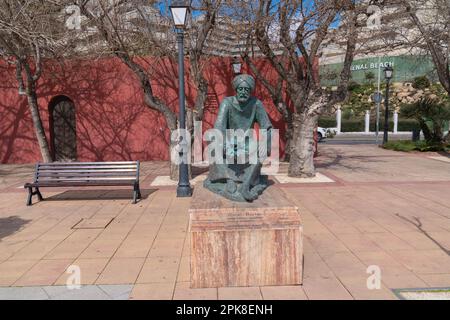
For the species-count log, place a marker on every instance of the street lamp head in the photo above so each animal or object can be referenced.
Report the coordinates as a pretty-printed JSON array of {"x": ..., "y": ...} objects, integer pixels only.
[
  {"x": 388, "y": 72},
  {"x": 236, "y": 65},
  {"x": 180, "y": 12}
]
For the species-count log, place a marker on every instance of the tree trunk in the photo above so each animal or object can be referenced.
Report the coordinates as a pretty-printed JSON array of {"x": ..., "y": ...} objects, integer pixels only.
[
  {"x": 288, "y": 138},
  {"x": 38, "y": 127},
  {"x": 425, "y": 129},
  {"x": 301, "y": 162},
  {"x": 174, "y": 168}
]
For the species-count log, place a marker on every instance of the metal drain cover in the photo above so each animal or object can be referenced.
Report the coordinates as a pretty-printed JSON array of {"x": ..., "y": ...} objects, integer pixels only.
[{"x": 93, "y": 223}]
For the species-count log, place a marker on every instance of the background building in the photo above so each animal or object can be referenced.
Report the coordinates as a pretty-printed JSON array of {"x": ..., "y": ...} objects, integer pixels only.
[{"x": 387, "y": 37}]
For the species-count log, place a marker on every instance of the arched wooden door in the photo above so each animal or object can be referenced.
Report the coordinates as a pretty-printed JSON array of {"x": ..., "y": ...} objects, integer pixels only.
[{"x": 63, "y": 119}]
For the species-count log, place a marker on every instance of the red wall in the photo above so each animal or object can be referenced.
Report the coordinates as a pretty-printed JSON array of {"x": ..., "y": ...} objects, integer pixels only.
[{"x": 113, "y": 123}]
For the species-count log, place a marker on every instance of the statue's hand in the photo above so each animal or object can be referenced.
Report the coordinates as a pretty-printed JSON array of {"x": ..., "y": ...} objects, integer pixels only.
[{"x": 230, "y": 150}]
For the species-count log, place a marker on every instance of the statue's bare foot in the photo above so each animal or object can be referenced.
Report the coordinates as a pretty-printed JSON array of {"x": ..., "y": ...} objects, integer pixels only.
[
  {"x": 248, "y": 194},
  {"x": 231, "y": 186}
]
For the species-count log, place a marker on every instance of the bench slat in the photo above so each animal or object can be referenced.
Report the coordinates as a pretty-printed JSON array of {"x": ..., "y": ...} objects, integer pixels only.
[
  {"x": 86, "y": 179},
  {"x": 86, "y": 174},
  {"x": 90, "y": 167},
  {"x": 81, "y": 184},
  {"x": 86, "y": 171},
  {"x": 86, "y": 163}
]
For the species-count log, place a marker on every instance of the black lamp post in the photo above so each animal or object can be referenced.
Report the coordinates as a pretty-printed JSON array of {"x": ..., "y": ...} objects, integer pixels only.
[
  {"x": 388, "y": 72},
  {"x": 236, "y": 66},
  {"x": 180, "y": 11}
]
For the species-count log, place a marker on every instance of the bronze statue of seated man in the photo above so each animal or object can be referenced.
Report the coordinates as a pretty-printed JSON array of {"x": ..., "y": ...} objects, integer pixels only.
[{"x": 240, "y": 180}]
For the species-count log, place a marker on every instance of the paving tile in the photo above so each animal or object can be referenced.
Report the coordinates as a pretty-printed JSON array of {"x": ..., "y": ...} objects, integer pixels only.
[
  {"x": 6, "y": 251},
  {"x": 326, "y": 243},
  {"x": 424, "y": 261},
  {"x": 403, "y": 281},
  {"x": 314, "y": 227},
  {"x": 103, "y": 247},
  {"x": 25, "y": 293},
  {"x": 315, "y": 267},
  {"x": 436, "y": 280},
  {"x": 90, "y": 270},
  {"x": 153, "y": 291},
  {"x": 340, "y": 227},
  {"x": 135, "y": 247},
  {"x": 239, "y": 293},
  {"x": 167, "y": 247},
  {"x": 83, "y": 293},
  {"x": 12, "y": 270},
  {"x": 121, "y": 271},
  {"x": 186, "y": 247},
  {"x": 366, "y": 225},
  {"x": 379, "y": 258},
  {"x": 45, "y": 272},
  {"x": 417, "y": 240},
  {"x": 388, "y": 241},
  {"x": 357, "y": 287},
  {"x": 184, "y": 292},
  {"x": 159, "y": 269},
  {"x": 358, "y": 242},
  {"x": 325, "y": 288},
  {"x": 74, "y": 245},
  {"x": 117, "y": 292},
  {"x": 184, "y": 272},
  {"x": 36, "y": 250},
  {"x": 283, "y": 293},
  {"x": 344, "y": 264}
]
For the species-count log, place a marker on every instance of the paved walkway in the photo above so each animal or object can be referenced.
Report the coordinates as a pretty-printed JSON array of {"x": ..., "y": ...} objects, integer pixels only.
[{"x": 385, "y": 209}]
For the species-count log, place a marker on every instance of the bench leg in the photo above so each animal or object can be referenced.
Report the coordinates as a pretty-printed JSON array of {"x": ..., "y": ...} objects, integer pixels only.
[
  {"x": 39, "y": 195},
  {"x": 135, "y": 193},
  {"x": 30, "y": 195},
  {"x": 139, "y": 192}
]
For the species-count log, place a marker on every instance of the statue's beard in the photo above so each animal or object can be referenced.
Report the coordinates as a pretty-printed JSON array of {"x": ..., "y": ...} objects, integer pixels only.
[{"x": 242, "y": 98}]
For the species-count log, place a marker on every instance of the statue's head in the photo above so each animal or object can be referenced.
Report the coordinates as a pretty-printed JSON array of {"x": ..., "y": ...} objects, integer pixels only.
[{"x": 244, "y": 85}]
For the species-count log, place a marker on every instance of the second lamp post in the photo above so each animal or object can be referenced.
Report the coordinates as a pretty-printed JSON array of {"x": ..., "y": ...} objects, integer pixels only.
[
  {"x": 388, "y": 72},
  {"x": 180, "y": 11}
]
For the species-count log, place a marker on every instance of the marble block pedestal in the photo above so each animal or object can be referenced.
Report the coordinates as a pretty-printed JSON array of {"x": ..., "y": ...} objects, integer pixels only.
[{"x": 245, "y": 244}]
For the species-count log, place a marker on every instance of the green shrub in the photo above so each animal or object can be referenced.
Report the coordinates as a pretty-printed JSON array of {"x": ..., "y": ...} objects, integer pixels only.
[
  {"x": 353, "y": 86},
  {"x": 347, "y": 114},
  {"x": 431, "y": 115},
  {"x": 423, "y": 146},
  {"x": 400, "y": 145},
  {"x": 352, "y": 125},
  {"x": 407, "y": 125},
  {"x": 421, "y": 82},
  {"x": 358, "y": 125},
  {"x": 327, "y": 122},
  {"x": 370, "y": 76}
]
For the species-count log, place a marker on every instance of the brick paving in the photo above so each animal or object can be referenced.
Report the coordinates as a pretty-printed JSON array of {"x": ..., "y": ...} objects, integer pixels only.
[{"x": 385, "y": 208}]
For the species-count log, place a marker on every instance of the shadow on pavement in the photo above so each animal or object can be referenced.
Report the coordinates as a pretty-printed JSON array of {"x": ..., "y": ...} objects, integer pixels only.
[
  {"x": 11, "y": 225},
  {"x": 418, "y": 224},
  {"x": 121, "y": 194}
]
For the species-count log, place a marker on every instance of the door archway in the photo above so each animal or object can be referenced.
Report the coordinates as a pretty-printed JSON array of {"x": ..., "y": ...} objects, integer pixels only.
[{"x": 63, "y": 129}]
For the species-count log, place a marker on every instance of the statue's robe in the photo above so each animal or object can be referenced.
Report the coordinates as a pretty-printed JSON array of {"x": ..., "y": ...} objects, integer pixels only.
[{"x": 233, "y": 116}]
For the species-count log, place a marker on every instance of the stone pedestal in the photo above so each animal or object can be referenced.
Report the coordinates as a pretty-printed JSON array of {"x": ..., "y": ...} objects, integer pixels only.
[{"x": 245, "y": 244}]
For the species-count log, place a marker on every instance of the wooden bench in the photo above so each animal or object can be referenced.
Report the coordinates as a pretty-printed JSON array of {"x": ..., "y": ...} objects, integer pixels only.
[{"x": 84, "y": 174}]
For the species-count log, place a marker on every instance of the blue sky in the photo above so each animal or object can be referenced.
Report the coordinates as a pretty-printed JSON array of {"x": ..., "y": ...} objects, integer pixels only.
[{"x": 164, "y": 9}]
